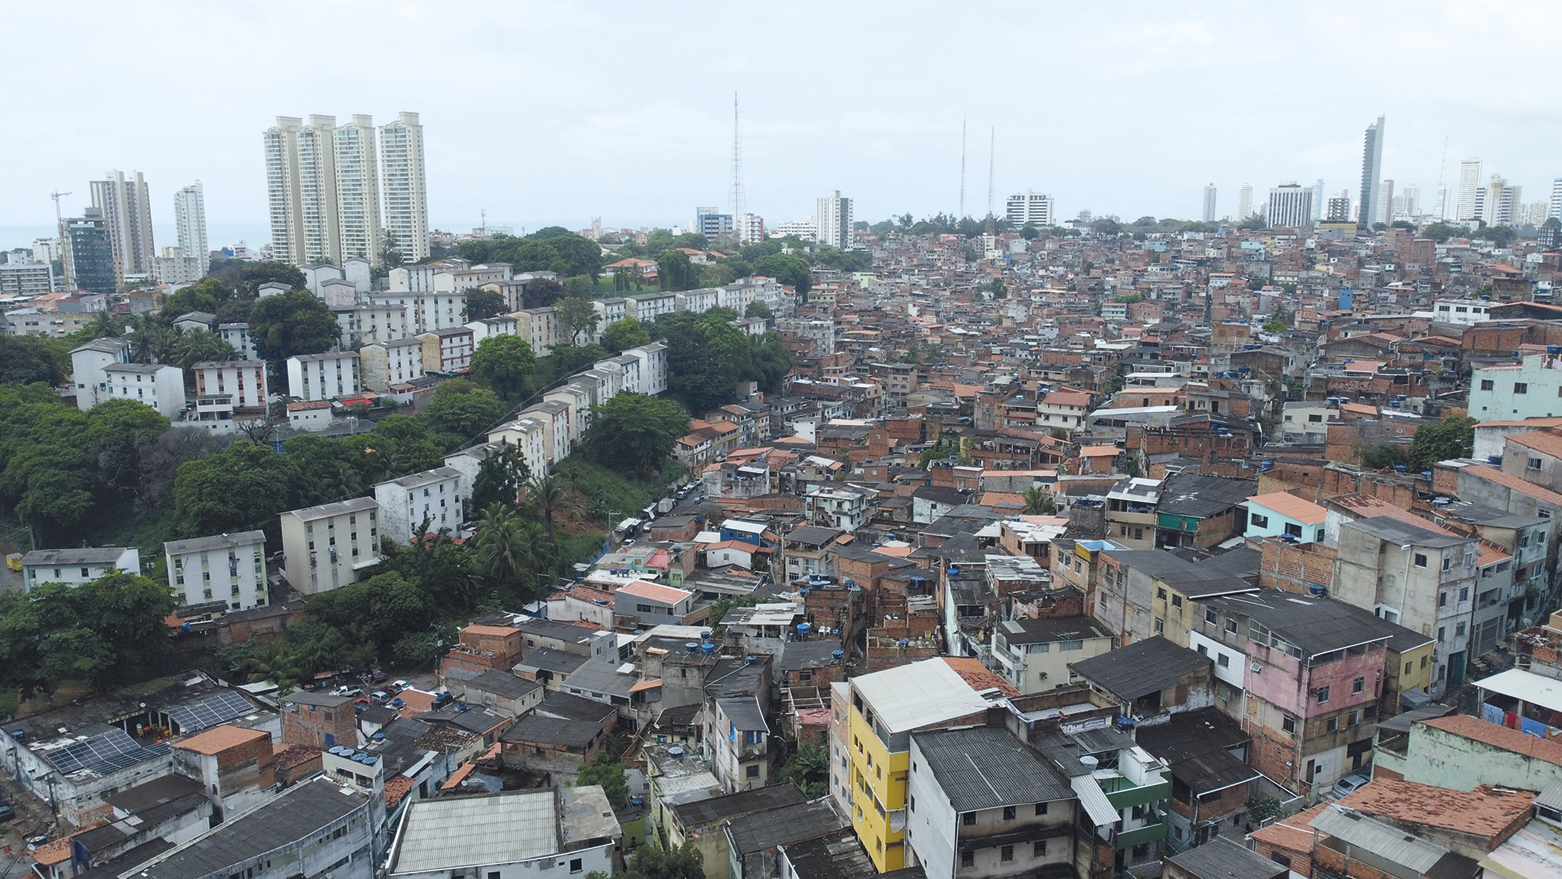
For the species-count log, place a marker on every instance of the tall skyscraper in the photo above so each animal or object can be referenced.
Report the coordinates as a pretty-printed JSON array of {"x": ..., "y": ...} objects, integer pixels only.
[
  {"x": 1500, "y": 206},
  {"x": 1290, "y": 206},
  {"x": 358, "y": 189},
  {"x": 1245, "y": 202},
  {"x": 1034, "y": 208},
  {"x": 89, "y": 254},
  {"x": 1371, "y": 172},
  {"x": 404, "y": 185},
  {"x": 1440, "y": 210},
  {"x": 123, "y": 204},
  {"x": 301, "y": 186},
  {"x": 1318, "y": 201},
  {"x": 1554, "y": 206},
  {"x": 190, "y": 221},
  {"x": 1409, "y": 201},
  {"x": 833, "y": 221},
  {"x": 1209, "y": 203},
  {"x": 1469, "y": 182}
]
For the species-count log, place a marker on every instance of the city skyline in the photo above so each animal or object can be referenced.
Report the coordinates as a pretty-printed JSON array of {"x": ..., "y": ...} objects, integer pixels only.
[{"x": 589, "y": 143}]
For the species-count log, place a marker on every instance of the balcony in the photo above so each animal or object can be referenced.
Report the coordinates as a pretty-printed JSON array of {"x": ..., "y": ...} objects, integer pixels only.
[{"x": 1151, "y": 832}]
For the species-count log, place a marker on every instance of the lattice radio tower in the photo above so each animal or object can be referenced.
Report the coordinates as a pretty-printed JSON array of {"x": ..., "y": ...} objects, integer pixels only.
[{"x": 737, "y": 167}]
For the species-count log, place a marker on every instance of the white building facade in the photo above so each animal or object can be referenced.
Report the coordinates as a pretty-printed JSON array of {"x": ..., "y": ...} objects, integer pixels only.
[{"x": 228, "y": 567}]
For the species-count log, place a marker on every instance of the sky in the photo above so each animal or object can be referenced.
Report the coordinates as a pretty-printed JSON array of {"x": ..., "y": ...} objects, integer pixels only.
[{"x": 555, "y": 113}]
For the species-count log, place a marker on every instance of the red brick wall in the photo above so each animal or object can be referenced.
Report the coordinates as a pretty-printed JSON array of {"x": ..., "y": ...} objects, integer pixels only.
[
  {"x": 1290, "y": 567},
  {"x": 309, "y": 724}
]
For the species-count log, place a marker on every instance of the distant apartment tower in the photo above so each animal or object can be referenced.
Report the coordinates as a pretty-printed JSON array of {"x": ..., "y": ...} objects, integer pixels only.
[
  {"x": 1318, "y": 201},
  {"x": 751, "y": 229},
  {"x": 1384, "y": 211},
  {"x": 301, "y": 189},
  {"x": 1467, "y": 208},
  {"x": 1554, "y": 206},
  {"x": 833, "y": 221},
  {"x": 1371, "y": 172},
  {"x": 125, "y": 208},
  {"x": 1030, "y": 207},
  {"x": 1209, "y": 203},
  {"x": 190, "y": 221},
  {"x": 1408, "y": 203},
  {"x": 1500, "y": 207},
  {"x": 358, "y": 190},
  {"x": 1245, "y": 202},
  {"x": 1290, "y": 205},
  {"x": 712, "y": 223},
  {"x": 89, "y": 255},
  {"x": 1339, "y": 207},
  {"x": 404, "y": 186}
]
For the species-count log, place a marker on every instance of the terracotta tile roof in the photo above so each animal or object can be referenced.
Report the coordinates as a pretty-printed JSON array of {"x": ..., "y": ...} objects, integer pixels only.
[
  {"x": 59, "y": 851},
  {"x": 1515, "y": 483},
  {"x": 1527, "y": 422},
  {"x": 1293, "y": 833},
  {"x": 395, "y": 789},
  {"x": 292, "y": 756},
  {"x": 1540, "y": 441},
  {"x": 1287, "y": 504},
  {"x": 656, "y": 592},
  {"x": 971, "y": 670},
  {"x": 1482, "y": 812},
  {"x": 496, "y": 631},
  {"x": 1501, "y": 737},
  {"x": 219, "y": 739}
]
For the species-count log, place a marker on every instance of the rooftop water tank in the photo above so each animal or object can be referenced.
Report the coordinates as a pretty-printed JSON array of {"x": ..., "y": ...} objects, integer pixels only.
[
  {"x": 837, "y": 655},
  {"x": 1317, "y": 590},
  {"x": 675, "y": 752},
  {"x": 691, "y": 647},
  {"x": 708, "y": 648},
  {"x": 1088, "y": 762}
]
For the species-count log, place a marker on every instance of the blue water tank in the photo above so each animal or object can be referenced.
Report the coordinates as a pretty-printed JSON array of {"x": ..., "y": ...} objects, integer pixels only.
[
  {"x": 803, "y": 629},
  {"x": 1317, "y": 590},
  {"x": 708, "y": 648},
  {"x": 1400, "y": 468},
  {"x": 691, "y": 647}
]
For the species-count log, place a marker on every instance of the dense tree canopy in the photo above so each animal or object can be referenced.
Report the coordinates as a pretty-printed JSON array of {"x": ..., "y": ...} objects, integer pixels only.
[
  {"x": 460, "y": 411},
  {"x": 551, "y": 249},
  {"x": 28, "y": 359},
  {"x": 793, "y": 271},
  {"x": 1450, "y": 438},
  {"x": 627, "y": 333},
  {"x": 505, "y": 365},
  {"x": 675, "y": 271},
  {"x": 635, "y": 433},
  {"x": 482, "y": 304},
  {"x": 296, "y": 322}
]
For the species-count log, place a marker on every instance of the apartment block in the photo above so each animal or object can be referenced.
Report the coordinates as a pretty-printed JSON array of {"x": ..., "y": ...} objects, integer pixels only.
[
  {"x": 327, "y": 376},
  {"x": 242, "y": 380},
  {"x": 230, "y": 568},
  {"x": 328, "y": 546},
  {"x": 433, "y": 496}
]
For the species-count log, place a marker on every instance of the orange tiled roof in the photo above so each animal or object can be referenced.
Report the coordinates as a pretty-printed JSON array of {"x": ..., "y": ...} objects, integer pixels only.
[
  {"x": 971, "y": 670},
  {"x": 395, "y": 789},
  {"x": 1287, "y": 504},
  {"x": 1480, "y": 730},
  {"x": 1482, "y": 812},
  {"x": 219, "y": 739}
]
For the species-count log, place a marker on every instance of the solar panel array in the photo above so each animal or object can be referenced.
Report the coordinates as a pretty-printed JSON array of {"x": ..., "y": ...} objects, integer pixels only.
[
  {"x": 207, "y": 713},
  {"x": 97, "y": 749},
  {"x": 125, "y": 761}
]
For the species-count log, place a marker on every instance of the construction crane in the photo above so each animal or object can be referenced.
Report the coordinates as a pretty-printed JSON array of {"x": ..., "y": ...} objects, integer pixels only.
[{"x": 59, "y": 218}]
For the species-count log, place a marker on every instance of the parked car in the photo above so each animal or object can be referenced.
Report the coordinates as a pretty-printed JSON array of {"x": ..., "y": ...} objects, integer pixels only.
[
  {"x": 401, "y": 685},
  {"x": 347, "y": 690},
  {"x": 378, "y": 675},
  {"x": 1348, "y": 784},
  {"x": 379, "y": 697}
]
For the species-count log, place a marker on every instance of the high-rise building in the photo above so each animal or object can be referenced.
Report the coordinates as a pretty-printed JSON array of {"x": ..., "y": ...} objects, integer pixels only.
[
  {"x": 1383, "y": 211},
  {"x": 1209, "y": 203},
  {"x": 1318, "y": 201},
  {"x": 1245, "y": 202},
  {"x": 358, "y": 190},
  {"x": 833, "y": 221},
  {"x": 301, "y": 186},
  {"x": 1500, "y": 205},
  {"x": 190, "y": 221},
  {"x": 1553, "y": 207},
  {"x": 123, "y": 204},
  {"x": 404, "y": 185},
  {"x": 1469, "y": 182},
  {"x": 1339, "y": 207},
  {"x": 712, "y": 223},
  {"x": 1408, "y": 202},
  {"x": 1290, "y": 206},
  {"x": 1371, "y": 171},
  {"x": 89, "y": 255},
  {"x": 751, "y": 229},
  {"x": 1030, "y": 207},
  {"x": 1441, "y": 210}
]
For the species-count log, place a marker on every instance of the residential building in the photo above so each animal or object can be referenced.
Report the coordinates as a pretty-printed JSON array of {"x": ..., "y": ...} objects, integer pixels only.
[
  {"x": 230, "y": 568},
  {"x": 370, "y": 324},
  {"x": 712, "y": 223},
  {"x": 1309, "y": 673},
  {"x": 1467, "y": 207},
  {"x": 1285, "y": 516},
  {"x": 1034, "y": 654},
  {"x": 301, "y": 189},
  {"x": 1424, "y": 579},
  {"x": 1150, "y": 679},
  {"x": 448, "y": 350},
  {"x": 123, "y": 203},
  {"x": 1339, "y": 207},
  {"x": 190, "y": 222},
  {"x": 1290, "y": 206},
  {"x": 157, "y": 385},
  {"x": 1461, "y": 312},
  {"x": 843, "y": 509},
  {"x": 358, "y": 190},
  {"x": 833, "y": 221},
  {"x": 1064, "y": 409},
  {"x": 26, "y": 279},
  {"x": 539, "y": 327},
  {"x": 1222, "y": 859},
  {"x": 1130, "y": 512},
  {"x": 315, "y": 828},
  {"x": 326, "y": 547},
  {"x": 751, "y": 229},
  {"x": 1433, "y": 746},
  {"x": 1212, "y": 785},
  {"x": 886, "y": 707},
  {"x": 431, "y": 310},
  {"x": 569, "y": 830},
  {"x": 1143, "y": 593},
  {"x": 1029, "y": 207},
  {"x": 244, "y": 381},
  {"x": 89, "y": 255},
  {"x": 980, "y": 802},
  {"x": 1209, "y": 203},
  {"x": 1245, "y": 202},
  {"x": 654, "y": 604},
  {"x": 237, "y": 336},
  {"x": 391, "y": 363},
  {"x": 1531, "y": 389},
  {"x": 326, "y": 376},
  {"x": 432, "y": 497},
  {"x": 73, "y": 567},
  {"x": 404, "y": 186},
  {"x": 88, "y": 369},
  {"x": 1371, "y": 173}
]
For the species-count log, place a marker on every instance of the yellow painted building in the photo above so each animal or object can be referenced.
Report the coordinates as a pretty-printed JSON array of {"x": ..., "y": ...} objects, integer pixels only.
[{"x": 886, "y": 707}]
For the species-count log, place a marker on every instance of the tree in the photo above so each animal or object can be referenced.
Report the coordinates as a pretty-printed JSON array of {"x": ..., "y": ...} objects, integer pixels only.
[
  {"x": 551, "y": 495},
  {"x": 483, "y": 304},
  {"x": 243, "y": 487},
  {"x": 626, "y": 333},
  {"x": 758, "y": 308},
  {"x": 460, "y": 411},
  {"x": 28, "y": 359},
  {"x": 541, "y": 292},
  {"x": 200, "y": 346},
  {"x": 792, "y": 271},
  {"x": 579, "y": 315},
  {"x": 706, "y": 357},
  {"x": 809, "y": 768},
  {"x": 654, "y": 862},
  {"x": 604, "y": 769},
  {"x": 292, "y": 323},
  {"x": 503, "y": 545},
  {"x": 1453, "y": 437},
  {"x": 1029, "y": 232},
  {"x": 500, "y": 477},
  {"x": 635, "y": 433},
  {"x": 1039, "y": 503},
  {"x": 675, "y": 271},
  {"x": 505, "y": 365}
]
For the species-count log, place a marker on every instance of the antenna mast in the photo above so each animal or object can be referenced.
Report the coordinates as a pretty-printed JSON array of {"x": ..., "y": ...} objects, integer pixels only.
[
  {"x": 962, "y": 170},
  {"x": 737, "y": 167},
  {"x": 992, "y": 152},
  {"x": 1442, "y": 191}
]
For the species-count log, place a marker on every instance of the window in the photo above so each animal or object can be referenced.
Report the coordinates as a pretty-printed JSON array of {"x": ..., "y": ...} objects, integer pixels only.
[
  {"x": 1288, "y": 723},
  {"x": 1231, "y": 625},
  {"x": 1352, "y": 718},
  {"x": 1176, "y": 601},
  {"x": 1358, "y": 685},
  {"x": 1520, "y": 387},
  {"x": 1160, "y": 626},
  {"x": 1041, "y": 808},
  {"x": 968, "y": 859},
  {"x": 1487, "y": 384},
  {"x": 1333, "y": 725},
  {"x": 1006, "y": 854},
  {"x": 751, "y": 771},
  {"x": 1464, "y": 594},
  {"x": 575, "y": 865},
  {"x": 1293, "y": 529},
  {"x": 1534, "y": 463},
  {"x": 968, "y": 819},
  {"x": 912, "y": 802},
  {"x": 1211, "y": 617},
  {"x": 1039, "y": 849},
  {"x": 1323, "y": 695},
  {"x": 1260, "y": 521},
  {"x": 1447, "y": 562},
  {"x": 1441, "y": 631},
  {"x": 1420, "y": 560},
  {"x": 1223, "y": 660},
  {"x": 1161, "y": 594}
]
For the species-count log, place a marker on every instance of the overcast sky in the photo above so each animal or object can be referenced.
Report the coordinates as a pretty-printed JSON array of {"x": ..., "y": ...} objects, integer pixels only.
[{"x": 549, "y": 113}]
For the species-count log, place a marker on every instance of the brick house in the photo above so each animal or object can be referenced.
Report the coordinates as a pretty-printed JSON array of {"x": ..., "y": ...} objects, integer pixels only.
[{"x": 318, "y": 720}]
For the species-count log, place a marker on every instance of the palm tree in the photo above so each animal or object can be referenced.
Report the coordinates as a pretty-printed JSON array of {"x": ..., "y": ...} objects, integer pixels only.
[
  {"x": 552, "y": 496},
  {"x": 200, "y": 346},
  {"x": 107, "y": 325},
  {"x": 1039, "y": 503},
  {"x": 503, "y": 546}
]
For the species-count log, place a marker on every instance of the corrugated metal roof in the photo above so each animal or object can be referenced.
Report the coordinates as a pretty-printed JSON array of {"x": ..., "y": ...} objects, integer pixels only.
[{"x": 986, "y": 767}]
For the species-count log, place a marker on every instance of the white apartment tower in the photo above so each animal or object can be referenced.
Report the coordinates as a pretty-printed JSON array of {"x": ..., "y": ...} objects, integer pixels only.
[
  {"x": 1245, "y": 202},
  {"x": 833, "y": 221},
  {"x": 301, "y": 187},
  {"x": 230, "y": 568},
  {"x": 190, "y": 220},
  {"x": 1371, "y": 171},
  {"x": 1209, "y": 203},
  {"x": 751, "y": 229},
  {"x": 1554, "y": 206},
  {"x": 1034, "y": 208},
  {"x": 358, "y": 190},
  {"x": 1384, "y": 212},
  {"x": 1466, "y": 208},
  {"x": 1290, "y": 205},
  {"x": 1500, "y": 207},
  {"x": 406, "y": 193},
  {"x": 127, "y": 211}
]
